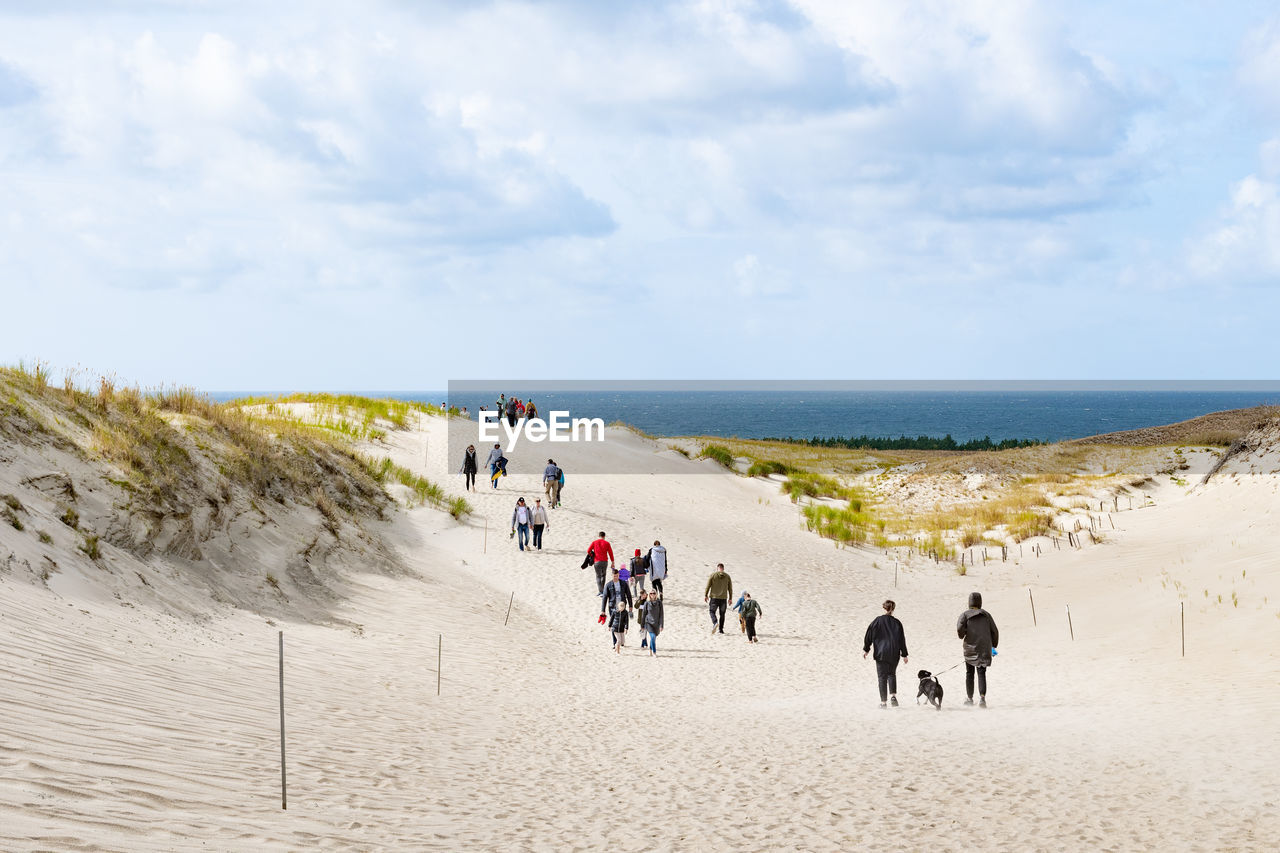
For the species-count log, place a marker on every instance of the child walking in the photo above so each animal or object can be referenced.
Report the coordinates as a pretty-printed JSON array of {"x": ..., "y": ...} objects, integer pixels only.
[
  {"x": 618, "y": 624},
  {"x": 751, "y": 611}
]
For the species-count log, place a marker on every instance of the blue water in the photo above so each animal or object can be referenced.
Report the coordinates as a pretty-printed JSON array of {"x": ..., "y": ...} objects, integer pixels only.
[{"x": 964, "y": 415}]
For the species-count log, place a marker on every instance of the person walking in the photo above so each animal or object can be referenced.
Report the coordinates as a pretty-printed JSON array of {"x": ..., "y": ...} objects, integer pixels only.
[
  {"x": 603, "y": 552},
  {"x": 618, "y": 626},
  {"x": 530, "y": 410},
  {"x": 469, "y": 467},
  {"x": 521, "y": 520},
  {"x": 615, "y": 595},
  {"x": 494, "y": 461},
  {"x": 886, "y": 636},
  {"x": 657, "y": 565},
  {"x": 980, "y": 637},
  {"x": 560, "y": 488},
  {"x": 737, "y": 607},
  {"x": 638, "y": 571},
  {"x": 716, "y": 594},
  {"x": 511, "y": 412},
  {"x": 540, "y": 522},
  {"x": 551, "y": 482},
  {"x": 751, "y": 611},
  {"x": 650, "y": 622}
]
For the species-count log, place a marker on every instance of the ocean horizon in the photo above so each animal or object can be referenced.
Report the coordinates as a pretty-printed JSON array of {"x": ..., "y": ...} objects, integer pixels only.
[{"x": 1043, "y": 415}]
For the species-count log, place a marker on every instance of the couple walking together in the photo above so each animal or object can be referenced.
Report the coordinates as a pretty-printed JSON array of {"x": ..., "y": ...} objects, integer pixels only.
[{"x": 975, "y": 627}]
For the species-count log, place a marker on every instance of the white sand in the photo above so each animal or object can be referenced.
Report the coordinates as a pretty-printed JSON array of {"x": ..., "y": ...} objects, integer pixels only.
[{"x": 122, "y": 729}]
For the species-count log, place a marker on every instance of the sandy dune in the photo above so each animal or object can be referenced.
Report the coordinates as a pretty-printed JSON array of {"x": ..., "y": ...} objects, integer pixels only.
[{"x": 121, "y": 729}]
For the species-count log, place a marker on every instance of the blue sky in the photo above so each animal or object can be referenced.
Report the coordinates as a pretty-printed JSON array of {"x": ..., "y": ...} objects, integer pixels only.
[{"x": 396, "y": 194}]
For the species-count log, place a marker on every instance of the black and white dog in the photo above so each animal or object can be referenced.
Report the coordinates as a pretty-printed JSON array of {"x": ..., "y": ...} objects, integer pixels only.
[{"x": 930, "y": 688}]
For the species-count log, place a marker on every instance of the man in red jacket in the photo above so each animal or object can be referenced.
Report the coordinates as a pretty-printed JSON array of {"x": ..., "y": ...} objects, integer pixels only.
[{"x": 602, "y": 551}]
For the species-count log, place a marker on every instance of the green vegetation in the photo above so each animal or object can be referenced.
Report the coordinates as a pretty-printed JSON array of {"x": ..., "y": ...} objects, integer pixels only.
[
  {"x": 920, "y": 442},
  {"x": 807, "y": 484},
  {"x": 45, "y": 537},
  {"x": 90, "y": 547},
  {"x": 426, "y": 492},
  {"x": 766, "y": 468},
  {"x": 719, "y": 454},
  {"x": 849, "y": 525},
  {"x": 71, "y": 518}
]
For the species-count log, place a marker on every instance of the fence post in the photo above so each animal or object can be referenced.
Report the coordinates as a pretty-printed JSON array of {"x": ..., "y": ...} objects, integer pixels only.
[
  {"x": 1070, "y": 627},
  {"x": 439, "y": 657},
  {"x": 284, "y": 788},
  {"x": 1182, "y": 617},
  {"x": 509, "y": 603},
  {"x": 1032, "y": 599}
]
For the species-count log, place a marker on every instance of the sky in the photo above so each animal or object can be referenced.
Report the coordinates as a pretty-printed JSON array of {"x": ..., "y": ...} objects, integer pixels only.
[{"x": 393, "y": 195}]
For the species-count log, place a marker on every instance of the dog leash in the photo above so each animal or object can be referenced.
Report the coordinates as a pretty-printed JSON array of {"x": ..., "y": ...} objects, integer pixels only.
[{"x": 948, "y": 669}]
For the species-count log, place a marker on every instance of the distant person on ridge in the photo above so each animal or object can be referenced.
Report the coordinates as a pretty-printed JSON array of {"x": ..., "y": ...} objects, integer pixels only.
[
  {"x": 717, "y": 593},
  {"x": 603, "y": 553},
  {"x": 886, "y": 635},
  {"x": 540, "y": 522},
  {"x": 470, "y": 467},
  {"x": 657, "y": 565},
  {"x": 530, "y": 410},
  {"x": 521, "y": 519},
  {"x": 551, "y": 482},
  {"x": 511, "y": 412},
  {"x": 495, "y": 458},
  {"x": 978, "y": 631}
]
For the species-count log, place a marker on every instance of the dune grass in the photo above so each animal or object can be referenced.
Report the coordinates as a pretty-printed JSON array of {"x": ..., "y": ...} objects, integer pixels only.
[{"x": 719, "y": 454}]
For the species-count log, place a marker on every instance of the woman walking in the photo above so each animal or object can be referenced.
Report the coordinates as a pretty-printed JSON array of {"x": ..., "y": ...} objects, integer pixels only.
[
  {"x": 886, "y": 634},
  {"x": 540, "y": 522},
  {"x": 469, "y": 467},
  {"x": 651, "y": 622}
]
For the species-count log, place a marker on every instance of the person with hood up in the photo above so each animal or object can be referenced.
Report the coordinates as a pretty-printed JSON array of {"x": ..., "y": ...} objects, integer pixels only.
[
  {"x": 657, "y": 565},
  {"x": 980, "y": 637},
  {"x": 886, "y": 635}
]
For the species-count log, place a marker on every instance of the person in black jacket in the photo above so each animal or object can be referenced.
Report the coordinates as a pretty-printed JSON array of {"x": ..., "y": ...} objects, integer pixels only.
[
  {"x": 886, "y": 634},
  {"x": 615, "y": 593},
  {"x": 469, "y": 467},
  {"x": 978, "y": 631}
]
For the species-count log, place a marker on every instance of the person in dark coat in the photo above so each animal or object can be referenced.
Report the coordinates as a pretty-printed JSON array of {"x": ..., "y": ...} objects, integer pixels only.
[
  {"x": 979, "y": 633},
  {"x": 616, "y": 592},
  {"x": 886, "y": 635},
  {"x": 469, "y": 467}
]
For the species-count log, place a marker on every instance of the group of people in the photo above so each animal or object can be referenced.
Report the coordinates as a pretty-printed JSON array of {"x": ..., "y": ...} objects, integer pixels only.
[
  {"x": 552, "y": 475},
  {"x": 978, "y": 634},
  {"x": 514, "y": 409}
]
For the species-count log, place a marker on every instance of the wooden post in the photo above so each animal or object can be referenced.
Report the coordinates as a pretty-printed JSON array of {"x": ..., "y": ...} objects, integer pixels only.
[
  {"x": 1032, "y": 599},
  {"x": 509, "y": 603},
  {"x": 1182, "y": 617},
  {"x": 1112, "y": 520},
  {"x": 439, "y": 657},
  {"x": 1069, "y": 625},
  {"x": 284, "y": 788}
]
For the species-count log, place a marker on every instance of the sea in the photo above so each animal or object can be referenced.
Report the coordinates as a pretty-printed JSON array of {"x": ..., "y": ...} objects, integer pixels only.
[{"x": 965, "y": 415}]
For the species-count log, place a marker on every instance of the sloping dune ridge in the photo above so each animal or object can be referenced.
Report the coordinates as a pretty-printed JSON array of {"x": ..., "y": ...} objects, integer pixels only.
[{"x": 139, "y": 701}]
